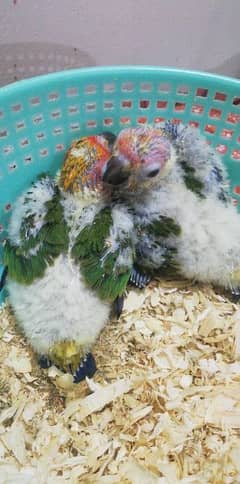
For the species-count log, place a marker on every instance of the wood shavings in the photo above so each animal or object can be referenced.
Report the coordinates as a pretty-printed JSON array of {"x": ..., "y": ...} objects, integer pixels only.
[{"x": 163, "y": 408}]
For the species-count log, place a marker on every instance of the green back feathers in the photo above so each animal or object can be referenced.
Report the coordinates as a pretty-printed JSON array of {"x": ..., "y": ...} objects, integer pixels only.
[
  {"x": 164, "y": 227},
  {"x": 29, "y": 260},
  {"x": 97, "y": 264},
  {"x": 191, "y": 181}
]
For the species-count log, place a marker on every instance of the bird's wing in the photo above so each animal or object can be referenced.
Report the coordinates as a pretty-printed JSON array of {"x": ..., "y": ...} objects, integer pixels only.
[
  {"x": 37, "y": 232},
  {"x": 202, "y": 168},
  {"x": 155, "y": 247},
  {"x": 105, "y": 264}
]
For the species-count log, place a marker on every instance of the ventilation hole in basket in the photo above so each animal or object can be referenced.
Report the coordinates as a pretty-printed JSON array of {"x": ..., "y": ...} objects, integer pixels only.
[
  {"x": 193, "y": 124},
  {"x": 233, "y": 118},
  {"x": 1, "y": 228},
  {"x": 72, "y": 92},
  {"x": 20, "y": 125},
  {"x": 90, "y": 89},
  {"x": 38, "y": 119},
  {"x": 108, "y": 122},
  {"x": 125, "y": 120},
  {"x": 3, "y": 134},
  {"x": 215, "y": 113},
  {"x": 109, "y": 87},
  {"x": 127, "y": 104},
  {"x": 197, "y": 109},
  {"x": 91, "y": 123},
  {"x": 24, "y": 142},
  {"x": 237, "y": 189},
  {"x": 7, "y": 207},
  {"x": 16, "y": 108},
  {"x": 44, "y": 152},
  {"x": 40, "y": 136},
  {"x": 56, "y": 114},
  {"x": 176, "y": 120},
  {"x": 164, "y": 87},
  {"x": 12, "y": 167},
  {"x": 144, "y": 103},
  {"x": 59, "y": 147},
  {"x": 57, "y": 131},
  {"x": 8, "y": 149},
  {"x": 210, "y": 128},
  {"x": 74, "y": 126},
  {"x": 162, "y": 104},
  {"x": 201, "y": 92},
  {"x": 227, "y": 133},
  {"x": 220, "y": 96},
  {"x": 1, "y": 114},
  {"x": 180, "y": 106},
  {"x": 107, "y": 105},
  {"x": 73, "y": 110},
  {"x": 35, "y": 101},
  {"x": 236, "y": 154},
  {"x": 127, "y": 86},
  {"x": 236, "y": 101},
  {"x": 183, "y": 90},
  {"x": 90, "y": 107},
  {"x": 28, "y": 159},
  {"x": 222, "y": 149},
  {"x": 53, "y": 96},
  {"x": 142, "y": 120},
  {"x": 158, "y": 120},
  {"x": 234, "y": 202},
  {"x": 146, "y": 86}
]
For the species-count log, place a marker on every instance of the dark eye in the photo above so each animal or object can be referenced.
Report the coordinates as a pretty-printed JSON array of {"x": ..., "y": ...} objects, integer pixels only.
[{"x": 153, "y": 173}]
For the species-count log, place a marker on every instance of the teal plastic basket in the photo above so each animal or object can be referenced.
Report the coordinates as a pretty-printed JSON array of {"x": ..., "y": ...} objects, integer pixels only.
[{"x": 40, "y": 117}]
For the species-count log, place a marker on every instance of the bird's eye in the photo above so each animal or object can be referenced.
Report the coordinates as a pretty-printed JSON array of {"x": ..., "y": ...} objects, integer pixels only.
[{"x": 153, "y": 173}]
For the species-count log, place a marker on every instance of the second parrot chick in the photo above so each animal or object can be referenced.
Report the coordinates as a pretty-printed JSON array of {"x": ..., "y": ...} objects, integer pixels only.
[
  {"x": 176, "y": 187},
  {"x": 60, "y": 253}
]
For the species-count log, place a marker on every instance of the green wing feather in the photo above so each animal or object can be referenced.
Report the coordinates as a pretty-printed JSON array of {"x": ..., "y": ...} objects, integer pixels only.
[
  {"x": 29, "y": 260},
  {"x": 97, "y": 264},
  {"x": 159, "y": 231},
  {"x": 191, "y": 181},
  {"x": 164, "y": 227}
]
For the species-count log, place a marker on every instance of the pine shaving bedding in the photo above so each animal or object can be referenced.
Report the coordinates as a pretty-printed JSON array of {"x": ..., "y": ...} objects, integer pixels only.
[{"x": 163, "y": 408}]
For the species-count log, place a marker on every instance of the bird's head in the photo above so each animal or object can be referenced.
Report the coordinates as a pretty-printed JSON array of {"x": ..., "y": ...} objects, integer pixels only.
[
  {"x": 85, "y": 162},
  {"x": 141, "y": 157}
]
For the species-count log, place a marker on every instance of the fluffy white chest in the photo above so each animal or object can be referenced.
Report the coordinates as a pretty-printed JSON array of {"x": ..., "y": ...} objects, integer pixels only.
[{"x": 59, "y": 306}]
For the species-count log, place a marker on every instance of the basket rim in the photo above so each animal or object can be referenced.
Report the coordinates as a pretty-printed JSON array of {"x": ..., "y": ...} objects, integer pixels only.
[{"x": 115, "y": 70}]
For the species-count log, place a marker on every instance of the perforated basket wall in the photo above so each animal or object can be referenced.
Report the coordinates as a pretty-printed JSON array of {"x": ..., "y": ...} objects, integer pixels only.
[{"x": 39, "y": 117}]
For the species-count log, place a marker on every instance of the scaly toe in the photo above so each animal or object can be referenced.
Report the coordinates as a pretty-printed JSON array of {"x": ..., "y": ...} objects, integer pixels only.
[
  {"x": 44, "y": 362},
  {"x": 87, "y": 367}
]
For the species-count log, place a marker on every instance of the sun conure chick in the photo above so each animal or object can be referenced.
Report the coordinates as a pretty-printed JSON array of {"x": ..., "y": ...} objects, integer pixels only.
[
  {"x": 176, "y": 187},
  {"x": 68, "y": 258}
]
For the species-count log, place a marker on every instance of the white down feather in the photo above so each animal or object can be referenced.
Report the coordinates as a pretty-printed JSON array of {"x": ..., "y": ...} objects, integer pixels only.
[{"x": 208, "y": 248}]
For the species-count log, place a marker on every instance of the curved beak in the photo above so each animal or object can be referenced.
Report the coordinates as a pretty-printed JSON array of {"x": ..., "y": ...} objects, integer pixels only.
[{"x": 116, "y": 172}]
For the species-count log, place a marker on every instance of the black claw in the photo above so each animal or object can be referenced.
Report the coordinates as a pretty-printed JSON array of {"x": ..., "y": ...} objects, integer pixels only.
[
  {"x": 87, "y": 367},
  {"x": 235, "y": 294},
  {"x": 138, "y": 279},
  {"x": 44, "y": 362},
  {"x": 3, "y": 278},
  {"x": 118, "y": 307}
]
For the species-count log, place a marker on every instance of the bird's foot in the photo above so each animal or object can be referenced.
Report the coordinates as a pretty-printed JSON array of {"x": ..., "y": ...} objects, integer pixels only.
[
  {"x": 86, "y": 368},
  {"x": 71, "y": 357},
  {"x": 235, "y": 294},
  {"x": 44, "y": 362},
  {"x": 138, "y": 279},
  {"x": 3, "y": 278}
]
